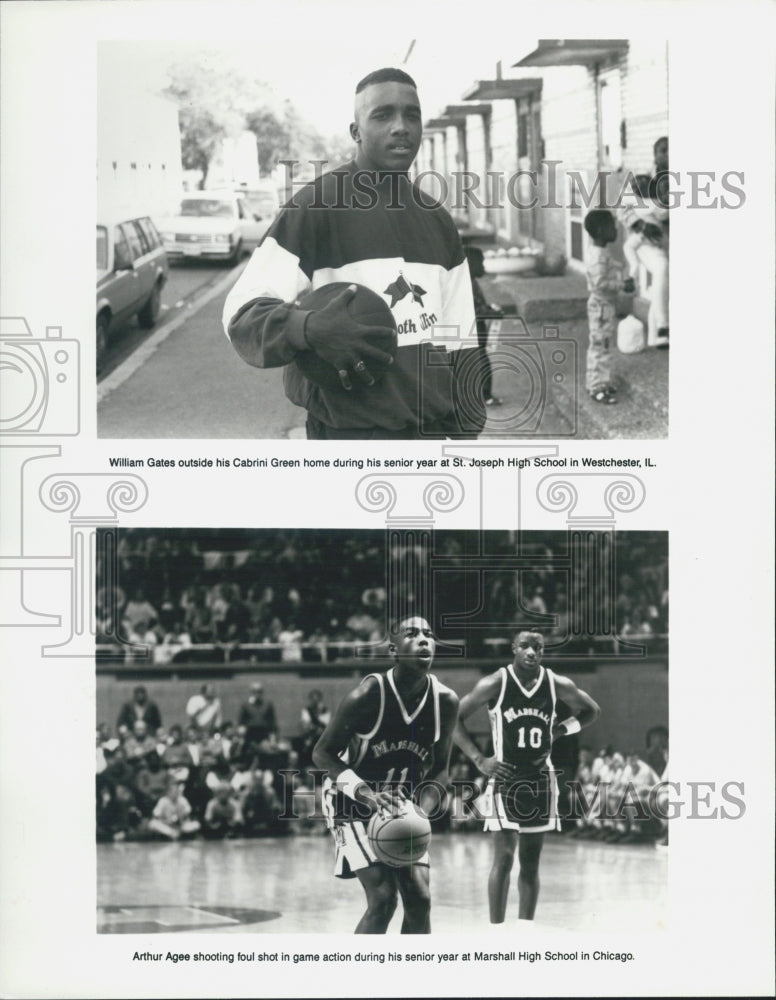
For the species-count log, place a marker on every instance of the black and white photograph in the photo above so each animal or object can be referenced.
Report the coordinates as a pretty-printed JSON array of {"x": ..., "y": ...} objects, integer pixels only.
[
  {"x": 340, "y": 510},
  {"x": 501, "y": 207},
  {"x": 382, "y": 731}
]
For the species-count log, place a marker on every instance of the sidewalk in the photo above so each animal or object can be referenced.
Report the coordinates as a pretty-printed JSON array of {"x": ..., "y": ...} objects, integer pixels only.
[
  {"x": 536, "y": 298},
  {"x": 540, "y": 398},
  {"x": 550, "y": 299}
]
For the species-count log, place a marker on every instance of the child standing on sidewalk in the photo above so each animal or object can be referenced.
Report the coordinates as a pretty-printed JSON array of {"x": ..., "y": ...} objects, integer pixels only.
[{"x": 604, "y": 281}]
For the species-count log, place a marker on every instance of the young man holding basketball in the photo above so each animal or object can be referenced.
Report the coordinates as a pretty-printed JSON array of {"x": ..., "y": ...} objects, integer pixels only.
[
  {"x": 366, "y": 223},
  {"x": 389, "y": 738},
  {"x": 522, "y": 792}
]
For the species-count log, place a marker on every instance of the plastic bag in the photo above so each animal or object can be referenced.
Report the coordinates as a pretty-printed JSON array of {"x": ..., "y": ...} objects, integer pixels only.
[{"x": 630, "y": 335}]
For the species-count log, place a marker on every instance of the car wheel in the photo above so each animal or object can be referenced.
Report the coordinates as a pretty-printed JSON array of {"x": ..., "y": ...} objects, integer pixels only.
[
  {"x": 150, "y": 311},
  {"x": 235, "y": 255},
  {"x": 101, "y": 341}
]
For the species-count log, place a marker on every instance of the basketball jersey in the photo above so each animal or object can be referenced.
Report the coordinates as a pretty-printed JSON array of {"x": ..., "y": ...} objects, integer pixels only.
[
  {"x": 521, "y": 721},
  {"x": 398, "y": 750}
]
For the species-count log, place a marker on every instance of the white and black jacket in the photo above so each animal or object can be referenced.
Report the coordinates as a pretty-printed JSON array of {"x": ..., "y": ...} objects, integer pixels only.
[{"x": 383, "y": 232}]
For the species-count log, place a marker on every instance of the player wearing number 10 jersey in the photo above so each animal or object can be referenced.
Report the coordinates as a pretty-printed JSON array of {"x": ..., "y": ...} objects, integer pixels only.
[
  {"x": 389, "y": 735},
  {"x": 522, "y": 792}
]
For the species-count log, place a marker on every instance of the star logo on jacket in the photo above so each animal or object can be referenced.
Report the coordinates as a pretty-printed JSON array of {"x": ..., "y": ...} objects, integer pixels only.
[{"x": 401, "y": 287}]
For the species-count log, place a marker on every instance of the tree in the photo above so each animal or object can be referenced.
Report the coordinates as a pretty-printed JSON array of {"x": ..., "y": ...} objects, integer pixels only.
[
  {"x": 217, "y": 99},
  {"x": 213, "y": 101},
  {"x": 286, "y": 136},
  {"x": 200, "y": 137},
  {"x": 272, "y": 137},
  {"x": 305, "y": 140}
]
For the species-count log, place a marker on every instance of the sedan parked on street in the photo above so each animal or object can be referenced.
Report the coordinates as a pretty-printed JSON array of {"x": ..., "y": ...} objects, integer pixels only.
[
  {"x": 212, "y": 225},
  {"x": 131, "y": 271}
]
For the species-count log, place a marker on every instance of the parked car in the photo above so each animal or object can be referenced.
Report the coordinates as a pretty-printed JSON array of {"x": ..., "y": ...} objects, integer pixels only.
[
  {"x": 263, "y": 203},
  {"x": 132, "y": 269},
  {"x": 212, "y": 224}
]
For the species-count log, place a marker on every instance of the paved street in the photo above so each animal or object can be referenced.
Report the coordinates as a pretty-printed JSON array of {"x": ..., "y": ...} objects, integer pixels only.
[
  {"x": 185, "y": 282},
  {"x": 192, "y": 383}
]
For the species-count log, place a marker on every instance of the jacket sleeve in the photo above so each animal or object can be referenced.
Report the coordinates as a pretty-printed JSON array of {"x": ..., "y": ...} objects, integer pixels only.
[{"x": 261, "y": 317}]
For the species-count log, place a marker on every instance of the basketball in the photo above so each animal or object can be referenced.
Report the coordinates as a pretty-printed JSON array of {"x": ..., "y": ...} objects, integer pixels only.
[
  {"x": 402, "y": 838},
  {"x": 365, "y": 307}
]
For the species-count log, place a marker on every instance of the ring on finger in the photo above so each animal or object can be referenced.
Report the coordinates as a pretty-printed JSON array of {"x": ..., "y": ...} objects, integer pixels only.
[{"x": 359, "y": 366}]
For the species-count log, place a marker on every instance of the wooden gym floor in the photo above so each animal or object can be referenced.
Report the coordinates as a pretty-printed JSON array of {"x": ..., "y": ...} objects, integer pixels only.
[{"x": 285, "y": 885}]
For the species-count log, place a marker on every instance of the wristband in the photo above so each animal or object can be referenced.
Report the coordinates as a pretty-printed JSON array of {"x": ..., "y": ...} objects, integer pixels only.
[
  {"x": 570, "y": 726},
  {"x": 348, "y": 782}
]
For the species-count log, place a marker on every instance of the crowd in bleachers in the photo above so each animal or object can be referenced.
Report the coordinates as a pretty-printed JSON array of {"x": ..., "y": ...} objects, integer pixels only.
[
  {"x": 213, "y": 778},
  {"x": 204, "y": 776},
  {"x": 616, "y": 798},
  {"x": 180, "y": 589}
]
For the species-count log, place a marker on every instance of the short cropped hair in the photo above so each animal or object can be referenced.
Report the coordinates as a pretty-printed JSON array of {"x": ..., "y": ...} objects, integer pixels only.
[
  {"x": 528, "y": 631},
  {"x": 386, "y": 75},
  {"x": 594, "y": 221},
  {"x": 663, "y": 138},
  {"x": 394, "y": 627}
]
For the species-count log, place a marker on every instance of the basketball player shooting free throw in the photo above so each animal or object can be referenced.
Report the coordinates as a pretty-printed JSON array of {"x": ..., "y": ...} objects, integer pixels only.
[{"x": 389, "y": 740}]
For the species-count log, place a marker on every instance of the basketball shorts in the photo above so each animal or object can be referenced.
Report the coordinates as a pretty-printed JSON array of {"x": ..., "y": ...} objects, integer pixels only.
[
  {"x": 527, "y": 804},
  {"x": 352, "y": 850}
]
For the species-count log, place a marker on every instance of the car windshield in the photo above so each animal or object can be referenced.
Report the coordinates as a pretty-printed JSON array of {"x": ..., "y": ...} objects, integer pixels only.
[
  {"x": 207, "y": 207},
  {"x": 102, "y": 248}
]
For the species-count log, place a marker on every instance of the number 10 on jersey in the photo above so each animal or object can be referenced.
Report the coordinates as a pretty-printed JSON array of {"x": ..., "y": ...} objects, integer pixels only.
[{"x": 534, "y": 738}]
